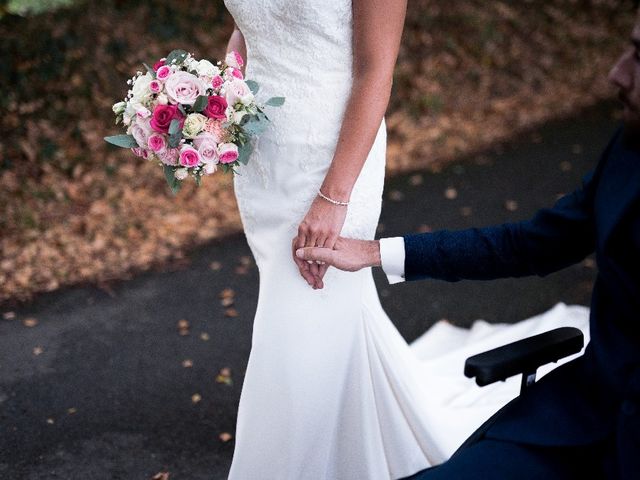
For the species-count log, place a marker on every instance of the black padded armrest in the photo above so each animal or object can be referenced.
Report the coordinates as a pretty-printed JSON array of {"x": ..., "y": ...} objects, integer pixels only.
[{"x": 523, "y": 356}]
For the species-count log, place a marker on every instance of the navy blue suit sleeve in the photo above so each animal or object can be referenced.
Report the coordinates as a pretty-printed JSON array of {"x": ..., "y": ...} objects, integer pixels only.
[{"x": 553, "y": 239}]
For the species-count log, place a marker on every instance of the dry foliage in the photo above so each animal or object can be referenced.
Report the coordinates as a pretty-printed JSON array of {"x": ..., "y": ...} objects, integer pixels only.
[{"x": 73, "y": 209}]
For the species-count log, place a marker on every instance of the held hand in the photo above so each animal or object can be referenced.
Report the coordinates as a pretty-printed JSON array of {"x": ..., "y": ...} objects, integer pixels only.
[
  {"x": 319, "y": 228},
  {"x": 348, "y": 254}
]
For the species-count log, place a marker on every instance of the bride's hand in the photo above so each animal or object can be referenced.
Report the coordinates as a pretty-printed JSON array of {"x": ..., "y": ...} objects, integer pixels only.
[{"x": 320, "y": 228}]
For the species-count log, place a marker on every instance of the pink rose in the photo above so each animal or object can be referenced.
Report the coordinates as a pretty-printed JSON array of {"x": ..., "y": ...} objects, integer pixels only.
[
  {"x": 155, "y": 86},
  {"x": 169, "y": 156},
  {"x": 234, "y": 59},
  {"x": 162, "y": 116},
  {"x": 207, "y": 147},
  {"x": 143, "y": 112},
  {"x": 227, "y": 152},
  {"x": 156, "y": 142},
  {"x": 140, "y": 134},
  {"x": 184, "y": 88},
  {"x": 163, "y": 73},
  {"x": 217, "y": 82},
  {"x": 237, "y": 73},
  {"x": 216, "y": 108},
  {"x": 238, "y": 91},
  {"x": 158, "y": 64},
  {"x": 189, "y": 156},
  {"x": 137, "y": 151}
]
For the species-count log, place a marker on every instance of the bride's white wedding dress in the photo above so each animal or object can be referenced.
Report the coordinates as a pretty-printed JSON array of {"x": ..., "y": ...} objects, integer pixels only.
[{"x": 332, "y": 391}]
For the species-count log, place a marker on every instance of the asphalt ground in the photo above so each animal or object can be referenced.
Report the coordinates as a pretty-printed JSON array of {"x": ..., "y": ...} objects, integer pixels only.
[{"x": 108, "y": 383}]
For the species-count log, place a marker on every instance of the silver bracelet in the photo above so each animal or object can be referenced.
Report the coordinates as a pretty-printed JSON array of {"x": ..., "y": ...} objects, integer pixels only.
[{"x": 331, "y": 200}]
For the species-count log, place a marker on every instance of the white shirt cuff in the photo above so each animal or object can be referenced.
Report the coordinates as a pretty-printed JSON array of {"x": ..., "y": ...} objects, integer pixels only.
[{"x": 392, "y": 258}]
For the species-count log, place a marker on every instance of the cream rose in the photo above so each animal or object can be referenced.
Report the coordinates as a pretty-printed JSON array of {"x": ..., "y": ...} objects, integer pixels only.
[
  {"x": 193, "y": 125},
  {"x": 141, "y": 88}
]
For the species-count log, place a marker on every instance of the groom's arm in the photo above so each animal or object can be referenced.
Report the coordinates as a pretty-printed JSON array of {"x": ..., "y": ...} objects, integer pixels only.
[{"x": 553, "y": 239}]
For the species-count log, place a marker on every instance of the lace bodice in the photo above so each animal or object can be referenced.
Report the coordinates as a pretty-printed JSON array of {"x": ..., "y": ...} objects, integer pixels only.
[{"x": 301, "y": 50}]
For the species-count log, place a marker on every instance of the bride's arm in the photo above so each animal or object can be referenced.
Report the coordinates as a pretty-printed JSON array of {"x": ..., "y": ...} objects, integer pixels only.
[
  {"x": 236, "y": 43},
  {"x": 377, "y": 30}
]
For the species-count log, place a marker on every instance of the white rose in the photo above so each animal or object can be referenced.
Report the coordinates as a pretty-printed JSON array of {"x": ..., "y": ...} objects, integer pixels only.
[
  {"x": 163, "y": 99},
  {"x": 119, "y": 108},
  {"x": 193, "y": 125},
  {"x": 210, "y": 168},
  {"x": 141, "y": 88},
  {"x": 181, "y": 173},
  {"x": 207, "y": 69},
  {"x": 237, "y": 116}
]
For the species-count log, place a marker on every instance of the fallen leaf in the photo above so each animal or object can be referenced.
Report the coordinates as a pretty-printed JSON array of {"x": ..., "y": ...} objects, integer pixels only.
[
  {"x": 183, "y": 327},
  {"x": 196, "y": 398},
  {"x": 187, "y": 363},
  {"x": 423, "y": 228},
  {"x": 215, "y": 266},
  {"x": 50, "y": 421},
  {"x": 224, "y": 376},
  {"x": 246, "y": 260},
  {"x": 161, "y": 476},
  {"x": 396, "y": 196},
  {"x": 225, "y": 437},
  {"x": 227, "y": 301},
  {"x": 227, "y": 293},
  {"x": 511, "y": 205},
  {"x": 416, "y": 180},
  {"x": 241, "y": 270},
  {"x": 451, "y": 193},
  {"x": 565, "y": 166},
  {"x": 72, "y": 410},
  {"x": 30, "y": 322},
  {"x": 466, "y": 211},
  {"x": 38, "y": 351},
  {"x": 589, "y": 263},
  {"x": 9, "y": 315},
  {"x": 231, "y": 313},
  {"x": 205, "y": 336}
]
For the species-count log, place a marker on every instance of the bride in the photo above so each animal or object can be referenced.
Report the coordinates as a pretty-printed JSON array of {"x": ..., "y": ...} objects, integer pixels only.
[{"x": 332, "y": 391}]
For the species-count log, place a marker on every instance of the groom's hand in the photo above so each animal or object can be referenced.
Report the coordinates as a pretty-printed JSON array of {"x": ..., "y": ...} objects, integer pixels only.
[{"x": 348, "y": 254}]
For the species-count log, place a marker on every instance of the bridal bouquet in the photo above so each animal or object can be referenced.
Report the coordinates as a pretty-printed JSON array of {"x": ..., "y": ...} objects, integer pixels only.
[{"x": 191, "y": 116}]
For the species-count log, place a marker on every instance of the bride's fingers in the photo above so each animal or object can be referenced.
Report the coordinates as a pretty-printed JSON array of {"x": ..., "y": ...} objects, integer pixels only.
[{"x": 301, "y": 264}]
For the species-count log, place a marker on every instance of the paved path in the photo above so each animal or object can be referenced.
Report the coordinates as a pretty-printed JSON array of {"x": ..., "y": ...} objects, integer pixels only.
[{"x": 103, "y": 386}]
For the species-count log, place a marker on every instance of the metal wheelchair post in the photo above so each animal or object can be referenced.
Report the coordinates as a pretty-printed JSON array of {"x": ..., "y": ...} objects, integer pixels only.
[{"x": 528, "y": 379}]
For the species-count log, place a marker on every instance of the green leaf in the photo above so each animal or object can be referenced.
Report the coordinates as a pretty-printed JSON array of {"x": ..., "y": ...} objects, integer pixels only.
[
  {"x": 182, "y": 110},
  {"x": 198, "y": 180},
  {"x": 275, "y": 102},
  {"x": 177, "y": 57},
  {"x": 243, "y": 153},
  {"x": 172, "y": 181},
  {"x": 122, "y": 141},
  {"x": 150, "y": 70},
  {"x": 201, "y": 103},
  {"x": 255, "y": 126},
  {"x": 174, "y": 126},
  {"x": 253, "y": 86}
]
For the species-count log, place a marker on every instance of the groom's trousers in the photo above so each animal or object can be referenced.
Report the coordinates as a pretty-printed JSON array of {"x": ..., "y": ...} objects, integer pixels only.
[{"x": 490, "y": 459}]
